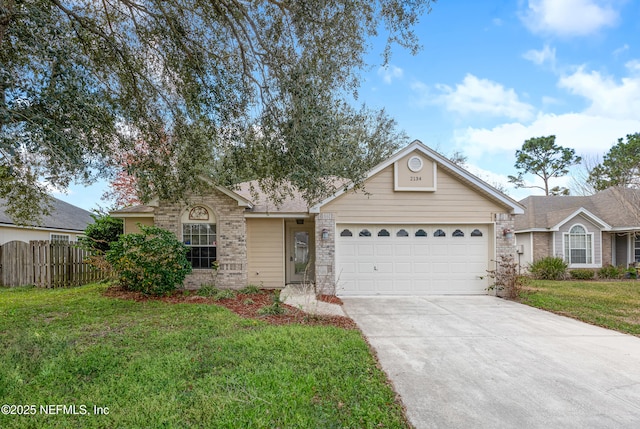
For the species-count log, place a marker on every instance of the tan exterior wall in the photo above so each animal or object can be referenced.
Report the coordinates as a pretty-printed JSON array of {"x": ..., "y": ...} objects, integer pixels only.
[
  {"x": 407, "y": 179},
  {"x": 12, "y": 233},
  {"x": 131, "y": 224},
  {"x": 265, "y": 252},
  {"x": 453, "y": 201}
]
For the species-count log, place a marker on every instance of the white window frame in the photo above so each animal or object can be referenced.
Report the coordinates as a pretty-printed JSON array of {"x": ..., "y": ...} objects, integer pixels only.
[
  {"x": 200, "y": 215},
  {"x": 589, "y": 243},
  {"x": 58, "y": 236}
]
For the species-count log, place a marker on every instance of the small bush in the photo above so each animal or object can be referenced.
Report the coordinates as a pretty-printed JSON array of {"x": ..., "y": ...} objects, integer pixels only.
[
  {"x": 273, "y": 309},
  {"x": 153, "y": 262},
  {"x": 610, "y": 272},
  {"x": 507, "y": 282},
  {"x": 582, "y": 274},
  {"x": 217, "y": 294},
  {"x": 250, "y": 290},
  {"x": 549, "y": 268}
]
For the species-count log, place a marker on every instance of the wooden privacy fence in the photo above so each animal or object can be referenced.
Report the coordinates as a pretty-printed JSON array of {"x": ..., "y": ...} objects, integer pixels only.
[{"x": 46, "y": 264}]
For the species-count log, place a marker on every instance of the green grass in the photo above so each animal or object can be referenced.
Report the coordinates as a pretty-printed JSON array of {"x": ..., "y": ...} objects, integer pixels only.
[
  {"x": 614, "y": 305},
  {"x": 162, "y": 365}
]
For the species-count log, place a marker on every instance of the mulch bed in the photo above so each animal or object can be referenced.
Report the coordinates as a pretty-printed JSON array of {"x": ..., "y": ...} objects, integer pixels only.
[{"x": 246, "y": 305}]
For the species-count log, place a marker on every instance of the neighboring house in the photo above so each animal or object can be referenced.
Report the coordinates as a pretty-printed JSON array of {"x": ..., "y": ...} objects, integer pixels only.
[
  {"x": 65, "y": 223},
  {"x": 587, "y": 232},
  {"x": 422, "y": 225}
]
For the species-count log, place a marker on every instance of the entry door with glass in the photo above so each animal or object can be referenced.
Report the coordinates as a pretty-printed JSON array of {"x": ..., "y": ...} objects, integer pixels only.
[{"x": 299, "y": 255}]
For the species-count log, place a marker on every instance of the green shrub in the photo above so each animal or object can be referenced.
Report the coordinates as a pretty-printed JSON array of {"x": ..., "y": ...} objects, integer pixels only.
[
  {"x": 99, "y": 235},
  {"x": 275, "y": 308},
  {"x": 549, "y": 268},
  {"x": 217, "y": 294},
  {"x": 610, "y": 272},
  {"x": 153, "y": 262},
  {"x": 582, "y": 274},
  {"x": 250, "y": 290}
]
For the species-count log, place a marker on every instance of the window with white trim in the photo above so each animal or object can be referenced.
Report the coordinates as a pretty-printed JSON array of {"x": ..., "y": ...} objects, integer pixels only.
[
  {"x": 636, "y": 248},
  {"x": 578, "y": 246},
  {"x": 199, "y": 235},
  {"x": 60, "y": 238}
]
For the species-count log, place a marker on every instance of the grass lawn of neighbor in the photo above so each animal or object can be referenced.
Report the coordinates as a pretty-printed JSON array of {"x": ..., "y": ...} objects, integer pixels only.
[{"x": 610, "y": 304}]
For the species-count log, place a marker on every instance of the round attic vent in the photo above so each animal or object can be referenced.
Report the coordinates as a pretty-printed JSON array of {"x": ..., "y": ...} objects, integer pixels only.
[{"x": 415, "y": 164}]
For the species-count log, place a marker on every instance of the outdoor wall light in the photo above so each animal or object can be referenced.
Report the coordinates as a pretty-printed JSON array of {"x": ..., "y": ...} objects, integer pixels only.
[
  {"x": 508, "y": 233},
  {"x": 325, "y": 234}
]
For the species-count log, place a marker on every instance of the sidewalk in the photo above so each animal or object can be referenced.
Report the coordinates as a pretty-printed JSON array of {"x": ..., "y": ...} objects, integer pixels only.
[{"x": 304, "y": 298}]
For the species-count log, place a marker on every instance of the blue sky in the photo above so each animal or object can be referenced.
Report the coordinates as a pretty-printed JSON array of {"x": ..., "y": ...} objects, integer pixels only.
[{"x": 492, "y": 74}]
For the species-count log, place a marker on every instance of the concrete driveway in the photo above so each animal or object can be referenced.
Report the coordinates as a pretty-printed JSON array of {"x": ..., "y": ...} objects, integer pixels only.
[{"x": 483, "y": 362}]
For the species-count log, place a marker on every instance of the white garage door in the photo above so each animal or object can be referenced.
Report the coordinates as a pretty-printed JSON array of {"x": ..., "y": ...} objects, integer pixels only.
[{"x": 411, "y": 259}]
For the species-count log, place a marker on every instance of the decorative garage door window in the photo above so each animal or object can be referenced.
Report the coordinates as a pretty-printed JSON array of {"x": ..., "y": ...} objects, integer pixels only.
[
  {"x": 421, "y": 233},
  {"x": 199, "y": 235},
  {"x": 346, "y": 233},
  {"x": 458, "y": 233},
  {"x": 365, "y": 233},
  {"x": 439, "y": 233},
  {"x": 476, "y": 233},
  {"x": 383, "y": 233},
  {"x": 402, "y": 233}
]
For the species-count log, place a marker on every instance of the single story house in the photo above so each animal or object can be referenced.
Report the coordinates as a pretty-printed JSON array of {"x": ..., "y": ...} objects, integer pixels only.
[
  {"x": 586, "y": 231},
  {"x": 65, "y": 223},
  {"x": 423, "y": 225}
]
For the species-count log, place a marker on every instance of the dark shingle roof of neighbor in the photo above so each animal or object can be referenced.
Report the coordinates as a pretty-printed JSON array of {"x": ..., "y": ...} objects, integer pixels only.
[
  {"x": 63, "y": 216},
  {"x": 618, "y": 207}
]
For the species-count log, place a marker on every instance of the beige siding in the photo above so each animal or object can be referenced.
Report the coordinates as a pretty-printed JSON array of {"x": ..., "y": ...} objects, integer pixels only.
[
  {"x": 452, "y": 202},
  {"x": 524, "y": 241},
  {"x": 265, "y": 252},
  {"x": 131, "y": 224}
]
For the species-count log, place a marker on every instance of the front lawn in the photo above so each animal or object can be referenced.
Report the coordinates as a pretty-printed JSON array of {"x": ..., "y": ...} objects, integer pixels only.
[
  {"x": 614, "y": 305},
  {"x": 92, "y": 361}
]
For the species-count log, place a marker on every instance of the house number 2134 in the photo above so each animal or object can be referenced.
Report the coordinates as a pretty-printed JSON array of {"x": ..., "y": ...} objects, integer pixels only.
[{"x": 415, "y": 178}]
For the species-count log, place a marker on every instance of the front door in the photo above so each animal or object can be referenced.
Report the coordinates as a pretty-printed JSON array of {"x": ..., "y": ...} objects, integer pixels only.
[{"x": 299, "y": 254}]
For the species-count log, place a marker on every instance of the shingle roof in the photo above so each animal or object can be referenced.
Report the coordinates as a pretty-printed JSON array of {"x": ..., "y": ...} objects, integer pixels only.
[
  {"x": 63, "y": 216},
  {"x": 618, "y": 207}
]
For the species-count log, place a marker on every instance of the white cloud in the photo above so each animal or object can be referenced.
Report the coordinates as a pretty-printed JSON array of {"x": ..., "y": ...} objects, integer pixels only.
[
  {"x": 620, "y": 50},
  {"x": 569, "y": 17},
  {"x": 389, "y": 73},
  {"x": 482, "y": 96},
  {"x": 609, "y": 98},
  {"x": 581, "y": 131},
  {"x": 545, "y": 55},
  {"x": 633, "y": 66}
]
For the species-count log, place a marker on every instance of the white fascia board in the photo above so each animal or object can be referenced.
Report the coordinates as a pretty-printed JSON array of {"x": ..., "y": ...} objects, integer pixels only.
[
  {"x": 242, "y": 201},
  {"x": 276, "y": 215},
  {"x": 43, "y": 228}
]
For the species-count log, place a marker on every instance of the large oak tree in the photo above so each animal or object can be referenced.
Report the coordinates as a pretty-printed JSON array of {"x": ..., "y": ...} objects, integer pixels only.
[{"x": 229, "y": 89}]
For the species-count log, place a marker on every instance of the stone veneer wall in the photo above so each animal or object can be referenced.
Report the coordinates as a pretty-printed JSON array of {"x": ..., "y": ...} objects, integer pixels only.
[
  {"x": 542, "y": 245},
  {"x": 505, "y": 245},
  {"x": 325, "y": 254},
  {"x": 607, "y": 253},
  {"x": 231, "y": 239}
]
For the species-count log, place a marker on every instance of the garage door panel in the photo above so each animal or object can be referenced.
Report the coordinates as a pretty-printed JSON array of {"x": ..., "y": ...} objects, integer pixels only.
[
  {"x": 402, "y": 249},
  {"x": 365, "y": 250},
  {"x": 407, "y": 264}
]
